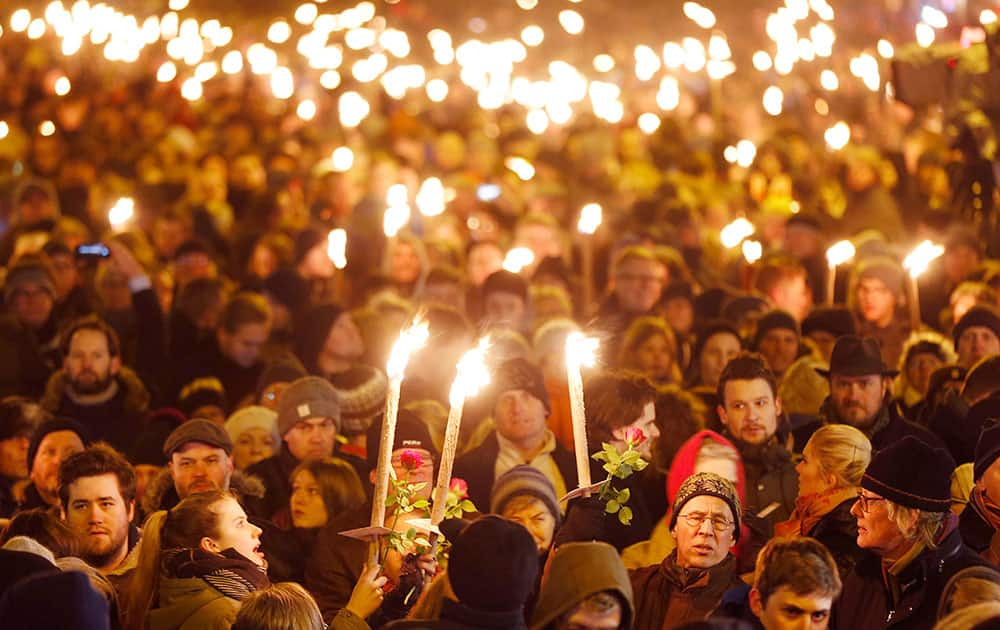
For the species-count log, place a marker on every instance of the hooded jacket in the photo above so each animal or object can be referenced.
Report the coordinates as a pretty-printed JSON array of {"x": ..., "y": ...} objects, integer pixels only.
[
  {"x": 117, "y": 421},
  {"x": 578, "y": 571}
]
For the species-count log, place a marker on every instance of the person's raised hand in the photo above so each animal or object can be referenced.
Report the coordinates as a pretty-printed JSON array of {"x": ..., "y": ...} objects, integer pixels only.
[
  {"x": 124, "y": 261},
  {"x": 367, "y": 595}
]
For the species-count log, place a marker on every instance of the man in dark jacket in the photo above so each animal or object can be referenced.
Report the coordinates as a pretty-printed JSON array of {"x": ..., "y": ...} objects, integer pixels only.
[
  {"x": 520, "y": 408},
  {"x": 308, "y": 423},
  {"x": 859, "y": 396},
  {"x": 234, "y": 357},
  {"x": 94, "y": 387},
  {"x": 750, "y": 410},
  {"x": 904, "y": 520},
  {"x": 690, "y": 582},
  {"x": 53, "y": 441},
  {"x": 28, "y": 334}
]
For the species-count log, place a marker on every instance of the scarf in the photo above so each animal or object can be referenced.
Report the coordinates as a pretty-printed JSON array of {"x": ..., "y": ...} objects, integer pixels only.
[
  {"x": 228, "y": 572},
  {"x": 990, "y": 512},
  {"x": 810, "y": 509}
]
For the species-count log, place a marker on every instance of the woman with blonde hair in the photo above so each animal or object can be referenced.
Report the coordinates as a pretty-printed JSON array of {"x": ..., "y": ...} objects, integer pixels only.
[{"x": 833, "y": 462}]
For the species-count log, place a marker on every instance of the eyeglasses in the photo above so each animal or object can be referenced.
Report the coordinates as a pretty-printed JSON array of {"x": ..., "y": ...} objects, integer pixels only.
[
  {"x": 695, "y": 519},
  {"x": 866, "y": 502}
]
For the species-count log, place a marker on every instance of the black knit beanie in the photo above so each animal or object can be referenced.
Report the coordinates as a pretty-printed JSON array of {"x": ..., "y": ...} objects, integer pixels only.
[
  {"x": 910, "y": 473},
  {"x": 493, "y": 565},
  {"x": 51, "y": 426}
]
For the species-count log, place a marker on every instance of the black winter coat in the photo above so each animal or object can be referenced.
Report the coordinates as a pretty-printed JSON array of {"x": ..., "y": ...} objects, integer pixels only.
[
  {"x": 866, "y": 603},
  {"x": 890, "y": 427},
  {"x": 838, "y": 531},
  {"x": 477, "y": 469}
]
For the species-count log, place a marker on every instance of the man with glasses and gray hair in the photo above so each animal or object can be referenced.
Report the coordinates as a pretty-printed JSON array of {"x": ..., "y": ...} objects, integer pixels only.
[
  {"x": 904, "y": 520},
  {"x": 688, "y": 585}
]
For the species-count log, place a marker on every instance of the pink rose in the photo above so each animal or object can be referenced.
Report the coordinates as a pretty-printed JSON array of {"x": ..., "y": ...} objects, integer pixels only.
[{"x": 459, "y": 487}]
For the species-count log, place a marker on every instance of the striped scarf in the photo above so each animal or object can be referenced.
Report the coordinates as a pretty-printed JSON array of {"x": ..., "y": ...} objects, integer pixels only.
[{"x": 228, "y": 572}]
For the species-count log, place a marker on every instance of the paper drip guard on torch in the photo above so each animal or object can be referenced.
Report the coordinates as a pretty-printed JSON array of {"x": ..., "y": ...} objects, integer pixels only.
[
  {"x": 410, "y": 340},
  {"x": 917, "y": 263},
  {"x": 580, "y": 351}
]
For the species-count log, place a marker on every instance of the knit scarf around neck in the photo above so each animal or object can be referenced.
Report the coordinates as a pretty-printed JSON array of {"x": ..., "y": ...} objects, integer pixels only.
[
  {"x": 811, "y": 508},
  {"x": 229, "y": 572}
]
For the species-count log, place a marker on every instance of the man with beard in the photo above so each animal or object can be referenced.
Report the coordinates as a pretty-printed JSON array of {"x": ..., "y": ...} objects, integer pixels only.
[
  {"x": 859, "y": 396},
  {"x": 94, "y": 387},
  {"x": 97, "y": 496}
]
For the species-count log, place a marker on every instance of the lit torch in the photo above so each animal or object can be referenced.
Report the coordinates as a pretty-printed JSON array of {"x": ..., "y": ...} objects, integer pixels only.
[
  {"x": 121, "y": 213},
  {"x": 590, "y": 219},
  {"x": 472, "y": 376},
  {"x": 839, "y": 253},
  {"x": 410, "y": 340},
  {"x": 916, "y": 263},
  {"x": 580, "y": 351}
]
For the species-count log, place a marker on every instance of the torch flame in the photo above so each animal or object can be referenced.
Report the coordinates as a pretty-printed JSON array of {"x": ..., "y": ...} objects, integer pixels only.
[
  {"x": 590, "y": 218},
  {"x": 752, "y": 251},
  {"x": 734, "y": 233},
  {"x": 473, "y": 374},
  {"x": 410, "y": 340},
  {"x": 121, "y": 212},
  {"x": 839, "y": 253},
  {"x": 581, "y": 350},
  {"x": 336, "y": 247},
  {"x": 921, "y": 258},
  {"x": 517, "y": 259}
]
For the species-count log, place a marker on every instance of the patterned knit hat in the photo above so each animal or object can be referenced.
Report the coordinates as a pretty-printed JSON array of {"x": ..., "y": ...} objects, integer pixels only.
[
  {"x": 362, "y": 391},
  {"x": 712, "y": 485},
  {"x": 524, "y": 480}
]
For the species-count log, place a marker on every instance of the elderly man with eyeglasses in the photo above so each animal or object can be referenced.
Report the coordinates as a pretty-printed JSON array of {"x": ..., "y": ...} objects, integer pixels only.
[
  {"x": 688, "y": 585},
  {"x": 904, "y": 520}
]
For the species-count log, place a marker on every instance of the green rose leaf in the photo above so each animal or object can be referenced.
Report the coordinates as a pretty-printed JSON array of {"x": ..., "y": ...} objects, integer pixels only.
[{"x": 625, "y": 516}]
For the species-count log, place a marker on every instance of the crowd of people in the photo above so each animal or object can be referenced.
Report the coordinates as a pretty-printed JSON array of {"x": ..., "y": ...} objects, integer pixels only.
[{"x": 193, "y": 398}]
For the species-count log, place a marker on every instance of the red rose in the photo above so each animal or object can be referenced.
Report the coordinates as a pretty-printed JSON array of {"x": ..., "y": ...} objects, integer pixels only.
[
  {"x": 634, "y": 436},
  {"x": 410, "y": 459}
]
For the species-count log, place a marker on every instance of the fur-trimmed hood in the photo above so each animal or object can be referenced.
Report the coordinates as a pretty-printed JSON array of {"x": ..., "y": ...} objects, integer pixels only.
[
  {"x": 136, "y": 395},
  {"x": 160, "y": 493}
]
